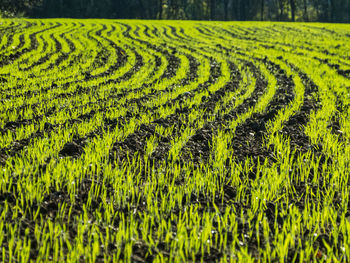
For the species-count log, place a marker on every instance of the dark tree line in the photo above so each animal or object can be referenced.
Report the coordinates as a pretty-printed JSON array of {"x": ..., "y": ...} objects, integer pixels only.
[{"x": 242, "y": 10}]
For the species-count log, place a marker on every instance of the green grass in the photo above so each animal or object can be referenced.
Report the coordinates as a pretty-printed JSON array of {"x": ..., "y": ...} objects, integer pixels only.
[{"x": 192, "y": 141}]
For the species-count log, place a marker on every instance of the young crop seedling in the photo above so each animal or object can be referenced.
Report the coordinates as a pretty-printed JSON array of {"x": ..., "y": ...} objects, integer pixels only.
[{"x": 130, "y": 140}]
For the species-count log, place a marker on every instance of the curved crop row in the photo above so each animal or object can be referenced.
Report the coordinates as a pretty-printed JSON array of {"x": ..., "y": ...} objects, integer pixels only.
[{"x": 174, "y": 141}]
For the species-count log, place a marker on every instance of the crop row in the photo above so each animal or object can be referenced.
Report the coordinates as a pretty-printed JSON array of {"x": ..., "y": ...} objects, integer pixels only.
[{"x": 201, "y": 141}]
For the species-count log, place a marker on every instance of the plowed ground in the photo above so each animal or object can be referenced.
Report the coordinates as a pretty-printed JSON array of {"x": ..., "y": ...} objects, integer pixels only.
[{"x": 174, "y": 141}]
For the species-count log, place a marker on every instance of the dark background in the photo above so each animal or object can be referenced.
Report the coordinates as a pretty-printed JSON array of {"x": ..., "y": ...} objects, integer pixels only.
[{"x": 242, "y": 10}]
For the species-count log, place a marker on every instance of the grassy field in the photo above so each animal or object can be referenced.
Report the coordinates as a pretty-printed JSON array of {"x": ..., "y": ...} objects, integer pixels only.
[{"x": 174, "y": 141}]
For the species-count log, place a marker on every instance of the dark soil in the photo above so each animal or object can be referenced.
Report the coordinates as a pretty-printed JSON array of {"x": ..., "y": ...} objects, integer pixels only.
[
  {"x": 12, "y": 150},
  {"x": 136, "y": 142},
  {"x": 294, "y": 127},
  {"x": 6, "y": 60},
  {"x": 71, "y": 149},
  {"x": 343, "y": 72},
  {"x": 247, "y": 144},
  {"x": 11, "y": 31}
]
